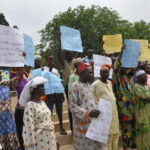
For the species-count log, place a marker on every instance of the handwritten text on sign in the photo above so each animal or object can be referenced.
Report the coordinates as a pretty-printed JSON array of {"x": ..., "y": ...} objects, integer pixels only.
[
  {"x": 99, "y": 127},
  {"x": 11, "y": 47}
]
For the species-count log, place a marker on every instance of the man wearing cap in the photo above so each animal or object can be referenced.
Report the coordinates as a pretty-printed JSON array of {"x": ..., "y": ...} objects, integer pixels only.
[
  {"x": 102, "y": 88},
  {"x": 83, "y": 106}
]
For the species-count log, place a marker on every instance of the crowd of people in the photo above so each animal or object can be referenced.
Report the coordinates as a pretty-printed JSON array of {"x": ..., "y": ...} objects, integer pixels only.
[{"x": 40, "y": 88}]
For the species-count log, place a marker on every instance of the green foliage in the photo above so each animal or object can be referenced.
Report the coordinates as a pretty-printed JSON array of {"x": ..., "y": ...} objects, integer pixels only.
[
  {"x": 93, "y": 23},
  {"x": 142, "y": 30},
  {"x": 3, "y": 21}
]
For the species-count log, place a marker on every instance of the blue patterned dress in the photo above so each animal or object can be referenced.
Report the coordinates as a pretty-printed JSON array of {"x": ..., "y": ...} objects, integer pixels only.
[{"x": 8, "y": 137}]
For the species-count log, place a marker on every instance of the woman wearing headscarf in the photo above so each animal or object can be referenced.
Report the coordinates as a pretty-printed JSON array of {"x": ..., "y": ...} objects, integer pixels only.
[
  {"x": 38, "y": 130},
  {"x": 142, "y": 111},
  {"x": 125, "y": 102}
]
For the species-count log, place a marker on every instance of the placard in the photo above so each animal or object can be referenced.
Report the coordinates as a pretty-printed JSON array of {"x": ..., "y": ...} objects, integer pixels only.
[
  {"x": 70, "y": 39},
  {"x": 11, "y": 47},
  {"x": 112, "y": 43},
  {"x": 99, "y": 127},
  {"x": 98, "y": 62},
  {"x": 131, "y": 54},
  {"x": 29, "y": 50},
  {"x": 145, "y": 51}
]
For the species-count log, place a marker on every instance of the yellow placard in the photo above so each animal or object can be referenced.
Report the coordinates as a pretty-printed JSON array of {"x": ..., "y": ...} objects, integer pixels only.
[
  {"x": 145, "y": 50},
  {"x": 112, "y": 43}
]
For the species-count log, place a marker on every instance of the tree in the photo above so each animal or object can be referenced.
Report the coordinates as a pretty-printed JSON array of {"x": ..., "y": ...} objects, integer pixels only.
[
  {"x": 3, "y": 21},
  {"x": 142, "y": 30},
  {"x": 93, "y": 23}
]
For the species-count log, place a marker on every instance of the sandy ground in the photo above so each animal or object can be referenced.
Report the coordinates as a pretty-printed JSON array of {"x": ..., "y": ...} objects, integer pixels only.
[{"x": 70, "y": 147}]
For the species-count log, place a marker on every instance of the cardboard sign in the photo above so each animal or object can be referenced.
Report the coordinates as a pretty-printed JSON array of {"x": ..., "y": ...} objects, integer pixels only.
[
  {"x": 145, "y": 51},
  {"x": 70, "y": 39},
  {"x": 99, "y": 127},
  {"x": 11, "y": 47},
  {"x": 98, "y": 62},
  {"x": 29, "y": 50},
  {"x": 131, "y": 54},
  {"x": 112, "y": 43}
]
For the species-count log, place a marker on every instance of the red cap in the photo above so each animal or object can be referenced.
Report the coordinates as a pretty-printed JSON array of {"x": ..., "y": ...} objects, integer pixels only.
[{"x": 83, "y": 66}]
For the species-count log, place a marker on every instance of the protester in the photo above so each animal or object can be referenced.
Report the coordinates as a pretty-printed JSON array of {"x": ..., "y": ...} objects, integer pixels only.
[
  {"x": 56, "y": 99},
  {"x": 18, "y": 82},
  {"x": 8, "y": 133},
  {"x": 13, "y": 72},
  {"x": 38, "y": 130},
  {"x": 89, "y": 57},
  {"x": 54, "y": 92},
  {"x": 50, "y": 65},
  {"x": 68, "y": 60},
  {"x": 83, "y": 106},
  {"x": 101, "y": 52},
  {"x": 21, "y": 81},
  {"x": 72, "y": 78},
  {"x": 125, "y": 102},
  {"x": 102, "y": 88},
  {"x": 67, "y": 69},
  {"x": 142, "y": 111},
  {"x": 123, "y": 79},
  {"x": 28, "y": 71},
  {"x": 147, "y": 70},
  {"x": 38, "y": 61}
]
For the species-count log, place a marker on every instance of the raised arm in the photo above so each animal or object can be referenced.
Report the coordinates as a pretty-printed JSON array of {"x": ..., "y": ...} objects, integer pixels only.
[{"x": 60, "y": 55}]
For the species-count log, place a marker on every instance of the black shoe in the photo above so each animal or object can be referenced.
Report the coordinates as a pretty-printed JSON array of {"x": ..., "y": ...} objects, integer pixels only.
[{"x": 63, "y": 132}]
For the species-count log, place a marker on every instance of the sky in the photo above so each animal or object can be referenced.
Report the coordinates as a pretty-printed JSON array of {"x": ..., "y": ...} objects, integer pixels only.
[{"x": 32, "y": 15}]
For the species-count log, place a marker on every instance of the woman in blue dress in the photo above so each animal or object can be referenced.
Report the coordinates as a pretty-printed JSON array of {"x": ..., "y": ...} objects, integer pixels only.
[{"x": 8, "y": 136}]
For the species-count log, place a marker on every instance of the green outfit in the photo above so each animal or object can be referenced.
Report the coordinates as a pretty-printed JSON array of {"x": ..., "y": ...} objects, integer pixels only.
[
  {"x": 142, "y": 111},
  {"x": 125, "y": 102},
  {"x": 72, "y": 78}
]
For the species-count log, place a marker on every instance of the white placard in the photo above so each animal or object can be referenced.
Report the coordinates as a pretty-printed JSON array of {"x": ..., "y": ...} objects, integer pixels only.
[
  {"x": 0, "y": 146},
  {"x": 11, "y": 47},
  {"x": 98, "y": 62},
  {"x": 99, "y": 127}
]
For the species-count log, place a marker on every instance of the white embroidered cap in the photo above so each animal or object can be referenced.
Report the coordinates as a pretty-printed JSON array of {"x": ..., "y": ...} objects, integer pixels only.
[{"x": 140, "y": 72}]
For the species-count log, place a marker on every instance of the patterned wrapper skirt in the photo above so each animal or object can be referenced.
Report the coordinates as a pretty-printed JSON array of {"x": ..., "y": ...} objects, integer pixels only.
[{"x": 8, "y": 136}]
